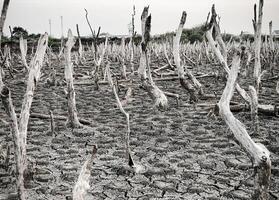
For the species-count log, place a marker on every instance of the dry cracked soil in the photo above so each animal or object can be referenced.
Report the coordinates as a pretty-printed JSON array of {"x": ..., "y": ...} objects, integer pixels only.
[{"x": 185, "y": 154}]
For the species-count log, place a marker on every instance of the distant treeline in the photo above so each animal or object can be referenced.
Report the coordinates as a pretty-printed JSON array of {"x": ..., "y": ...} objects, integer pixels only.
[{"x": 195, "y": 34}]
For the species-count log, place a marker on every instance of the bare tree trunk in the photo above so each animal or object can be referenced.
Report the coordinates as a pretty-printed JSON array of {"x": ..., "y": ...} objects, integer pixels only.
[
  {"x": 23, "y": 50},
  {"x": 72, "y": 121},
  {"x": 80, "y": 47},
  {"x": 259, "y": 155},
  {"x": 20, "y": 167},
  {"x": 257, "y": 23},
  {"x": 190, "y": 87},
  {"x": 254, "y": 110},
  {"x": 3, "y": 17},
  {"x": 132, "y": 47},
  {"x": 154, "y": 92},
  {"x": 272, "y": 49},
  {"x": 19, "y": 130},
  {"x": 210, "y": 26},
  {"x": 122, "y": 58}
]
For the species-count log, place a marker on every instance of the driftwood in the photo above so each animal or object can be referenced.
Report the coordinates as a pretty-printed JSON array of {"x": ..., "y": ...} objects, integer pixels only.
[
  {"x": 258, "y": 153},
  {"x": 72, "y": 110},
  {"x": 19, "y": 127},
  {"x": 82, "y": 184}
]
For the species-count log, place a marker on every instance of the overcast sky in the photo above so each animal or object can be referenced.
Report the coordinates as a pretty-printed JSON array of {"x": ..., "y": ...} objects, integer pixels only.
[{"x": 115, "y": 15}]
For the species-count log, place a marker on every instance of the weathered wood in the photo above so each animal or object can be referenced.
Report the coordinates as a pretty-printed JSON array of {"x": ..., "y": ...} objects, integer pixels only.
[
  {"x": 17, "y": 140},
  {"x": 257, "y": 23},
  {"x": 128, "y": 151},
  {"x": 72, "y": 121},
  {"x": 259, "y": 155},
  {"x": 127, "y": 98},
  {"x": 144, "y": 41},
  {"x": 144, "y": 71},
  {"x": 82, "y": 185},
  {"x": 19, "y": 128},
  {"x": 23, "y": 50},
  {"x": 180, "y": 69},
  {"x": 3, "y": 17},
  {"x": 254, "y": 109},
  {"x": 213, "y": 45},
  {"x": 80, "y": 47}
]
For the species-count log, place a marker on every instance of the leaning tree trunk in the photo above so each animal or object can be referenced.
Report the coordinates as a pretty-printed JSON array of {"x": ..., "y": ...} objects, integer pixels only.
[
  {"x": 72, "y": 121},
  {"x": 259, "y": 155},
  {"x": 154, "y": 92},
  {"x": 19, "y": 128},
  {"x": 191, "y": 88}
]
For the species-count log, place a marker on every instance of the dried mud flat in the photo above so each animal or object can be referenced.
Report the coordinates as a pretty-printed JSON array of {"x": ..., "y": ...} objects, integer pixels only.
[{"x": 186, "y": 155}]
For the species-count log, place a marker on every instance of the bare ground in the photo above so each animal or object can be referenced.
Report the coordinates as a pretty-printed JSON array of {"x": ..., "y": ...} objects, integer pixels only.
[{"x": 186, "y": 155}]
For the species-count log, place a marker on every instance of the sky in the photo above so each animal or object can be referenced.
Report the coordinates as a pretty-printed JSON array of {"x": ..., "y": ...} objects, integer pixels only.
[{"x": 114, "y": 15}]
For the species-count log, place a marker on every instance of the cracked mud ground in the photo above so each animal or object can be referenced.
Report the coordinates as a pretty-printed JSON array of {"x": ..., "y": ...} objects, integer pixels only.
[{"x": 186, "y": 155}]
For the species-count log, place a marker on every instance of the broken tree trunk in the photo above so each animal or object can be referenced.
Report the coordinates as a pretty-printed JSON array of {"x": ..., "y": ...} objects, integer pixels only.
[
  {"x": 19, "y": 128},
  {"x": 82, "y": 184},
  {"x": 154, "y": 92},
  {"x": 193, "y": 87},
  {"x": 257, "y": 24},
  {"x": 257, "y": 152},
  {"x": 72, "y": 121}
]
